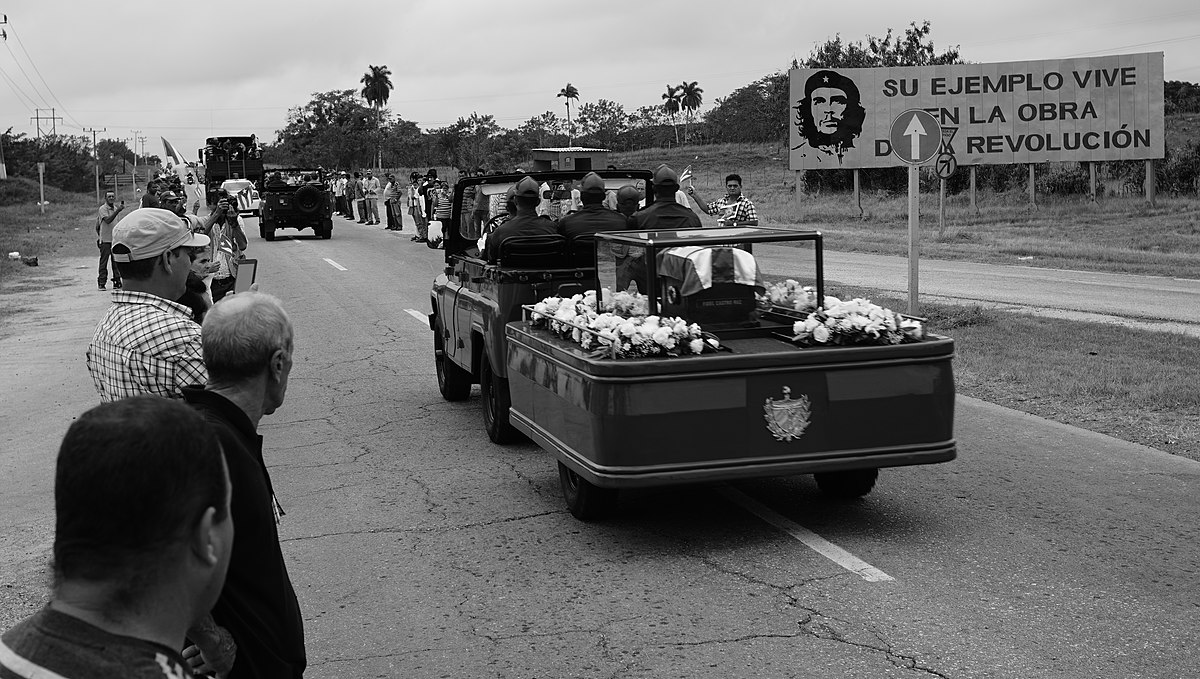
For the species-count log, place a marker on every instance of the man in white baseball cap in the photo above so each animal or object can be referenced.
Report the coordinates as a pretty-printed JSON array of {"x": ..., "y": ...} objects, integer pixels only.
[{"x": 147, "y": 343}]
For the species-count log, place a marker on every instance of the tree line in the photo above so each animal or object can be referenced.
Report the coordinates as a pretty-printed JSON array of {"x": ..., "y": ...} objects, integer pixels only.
[{"x": 352, "y": 128}]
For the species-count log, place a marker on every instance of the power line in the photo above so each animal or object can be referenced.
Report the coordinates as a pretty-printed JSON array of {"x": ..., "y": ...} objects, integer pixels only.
[
  {"x": 25, "y": 99},
  {"x": 39, "y": 74},
  {"x": 45, "y": 102}
]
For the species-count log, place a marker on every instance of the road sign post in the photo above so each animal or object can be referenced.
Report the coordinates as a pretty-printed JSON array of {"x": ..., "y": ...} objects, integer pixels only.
[{"x": 916, "y": 137}]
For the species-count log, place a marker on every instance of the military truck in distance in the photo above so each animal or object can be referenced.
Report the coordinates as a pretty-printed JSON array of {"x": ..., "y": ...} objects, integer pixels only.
[
  {"x": 228, "y": 158},
  {"x": 295, "y": 198}
]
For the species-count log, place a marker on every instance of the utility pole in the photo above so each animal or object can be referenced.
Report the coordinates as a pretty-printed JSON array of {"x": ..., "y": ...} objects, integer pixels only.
[
  {"x": 134, "y": 175},
  {"x": 96, "y": 158}
]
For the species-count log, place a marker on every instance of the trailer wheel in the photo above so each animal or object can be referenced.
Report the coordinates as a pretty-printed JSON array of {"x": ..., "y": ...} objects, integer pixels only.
[
  {"x": 496, "y": 402},
  {"x": 586, "y": 502},
  {"x": 453, "y": 381},
  {"x": 847, "y": 485}
]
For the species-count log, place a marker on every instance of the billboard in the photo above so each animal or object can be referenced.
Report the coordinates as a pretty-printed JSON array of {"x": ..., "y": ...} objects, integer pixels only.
[{"x": 1089, "y": 109}]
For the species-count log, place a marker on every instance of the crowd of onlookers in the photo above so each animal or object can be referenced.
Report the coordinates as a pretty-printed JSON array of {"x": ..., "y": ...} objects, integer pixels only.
[{"x": 149, "y": 578}]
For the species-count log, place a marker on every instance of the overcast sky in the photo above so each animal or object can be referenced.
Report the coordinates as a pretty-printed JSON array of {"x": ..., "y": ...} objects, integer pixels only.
[{"x": 186, "y": 71}]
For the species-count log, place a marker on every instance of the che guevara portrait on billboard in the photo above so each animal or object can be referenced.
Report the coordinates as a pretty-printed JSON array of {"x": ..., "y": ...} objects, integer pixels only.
[{"x": 829, "y": 117}]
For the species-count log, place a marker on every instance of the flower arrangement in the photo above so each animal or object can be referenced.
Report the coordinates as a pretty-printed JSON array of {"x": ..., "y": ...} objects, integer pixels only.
[
  {"x": 792, "y": 295},
  {"x": 626, "y": 303},
  {"x": 610, "y": 333},
  {"x": 855, "y": 322}
]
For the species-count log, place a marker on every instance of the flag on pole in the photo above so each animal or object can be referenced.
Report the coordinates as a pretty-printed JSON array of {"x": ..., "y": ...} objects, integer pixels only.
[
  {"x": 686, "y": 176},
  {"x": 171, "y": 153}
]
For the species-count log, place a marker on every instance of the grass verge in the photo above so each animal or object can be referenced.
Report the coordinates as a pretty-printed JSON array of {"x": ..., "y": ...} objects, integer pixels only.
[
  {"x": 1134, "y": 385},
  {"x": 65, "y": 229}
]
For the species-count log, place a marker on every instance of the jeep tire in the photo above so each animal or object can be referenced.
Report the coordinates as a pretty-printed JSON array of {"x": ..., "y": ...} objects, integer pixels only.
[
  {"x": 496, "y": 403},
  {"x": 266, "y": 230}
]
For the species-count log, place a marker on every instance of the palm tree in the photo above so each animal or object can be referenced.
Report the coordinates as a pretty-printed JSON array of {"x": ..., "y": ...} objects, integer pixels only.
[
  {"x": 690, "y": 98},
  {"x": 377, "y": 87},
  {"x": 671, "y": 106},
  {"x": 569, "y": 92}
]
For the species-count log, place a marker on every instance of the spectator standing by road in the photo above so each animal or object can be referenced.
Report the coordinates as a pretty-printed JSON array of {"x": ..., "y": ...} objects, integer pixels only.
[
  {"x": 360, "y": 197},
  {"x": 137, "y": 556},
  {"x": 371, "y": 197},
  {"x": 416, "y": 202},
  {"x": 248, "y": 348},
  {"x": 732, "y": 209},
  {"x": 105, "y": 218},
  {"x": 228, "y": 244},
  {"x": 443, "y": 206},
  {"x": 150, "y": 197},
  {"x": 348, "y": 194},
  {"x": 147, "y": 343},
  {"x": 479, "y": 211},
  {"x": 390, "y": 194}
]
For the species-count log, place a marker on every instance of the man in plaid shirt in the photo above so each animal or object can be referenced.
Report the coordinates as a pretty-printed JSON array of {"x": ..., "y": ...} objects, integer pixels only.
[
  {"x": 733, "y": 209},
  {"x": 146, "y": 343}
]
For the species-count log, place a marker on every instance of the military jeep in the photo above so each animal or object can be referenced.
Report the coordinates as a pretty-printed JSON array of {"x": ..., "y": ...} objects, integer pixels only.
[
  {"x": 474, "y": 299},
  {"x": 295, "y": 198}
]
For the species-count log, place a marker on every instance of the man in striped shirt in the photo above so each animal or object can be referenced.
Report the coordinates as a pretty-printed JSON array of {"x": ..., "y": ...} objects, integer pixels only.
[{"x": 147, "y": 343}]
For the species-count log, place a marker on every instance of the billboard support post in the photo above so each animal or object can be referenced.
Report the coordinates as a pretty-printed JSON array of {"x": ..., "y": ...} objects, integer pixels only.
[
  {"x": 858, "y": 194},
  {"x": 1032, "y": 190},
  {"x": 1150, "y": 185}
]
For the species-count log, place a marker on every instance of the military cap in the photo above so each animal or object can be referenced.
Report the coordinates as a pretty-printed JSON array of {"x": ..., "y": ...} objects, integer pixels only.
[
  {"x": 664, "y": 175},
  {"x": 592, "y": 183},
  {"x": 628, "y": 192},
  {"x": 528, "y": 188}
]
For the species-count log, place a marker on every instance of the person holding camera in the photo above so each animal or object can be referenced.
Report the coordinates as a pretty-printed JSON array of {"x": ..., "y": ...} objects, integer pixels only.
[
  {"x": 229, "y": 243},
  {"x": 105, "y": 218}
]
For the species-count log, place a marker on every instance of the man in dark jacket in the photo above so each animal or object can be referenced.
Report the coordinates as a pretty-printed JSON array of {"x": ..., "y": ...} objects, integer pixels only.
[
  {"x": 665, "y": 214},
  {"x": 255, "y": 629},
  {"x": 594, "y": 217},
  {"x": 527, "y": 221}
]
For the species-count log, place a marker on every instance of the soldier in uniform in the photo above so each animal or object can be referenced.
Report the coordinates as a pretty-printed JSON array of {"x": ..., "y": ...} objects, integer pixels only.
[
  {"x": 665, "y": 214},
  {"x": 594, "y": 217},
  {"x": 527, "y": 222}
]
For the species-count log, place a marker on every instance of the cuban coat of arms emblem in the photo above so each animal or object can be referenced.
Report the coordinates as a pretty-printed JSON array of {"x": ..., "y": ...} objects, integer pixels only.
[{"x": 787, "y": 418}]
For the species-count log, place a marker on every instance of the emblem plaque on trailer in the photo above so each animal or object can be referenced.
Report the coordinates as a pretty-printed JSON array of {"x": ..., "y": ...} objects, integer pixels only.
[{"x": 787, "y": 419}]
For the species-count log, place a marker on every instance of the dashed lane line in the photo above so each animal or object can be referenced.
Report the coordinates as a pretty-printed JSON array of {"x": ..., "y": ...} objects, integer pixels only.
[
  {"x": 815, "y": 542},
  {"x": 424, "y": 319},
  {"x": 335, "y": 265}
]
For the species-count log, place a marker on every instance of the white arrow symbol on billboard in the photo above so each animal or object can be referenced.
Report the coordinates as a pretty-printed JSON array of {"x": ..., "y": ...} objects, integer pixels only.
[{"x": 914, "y": 132}]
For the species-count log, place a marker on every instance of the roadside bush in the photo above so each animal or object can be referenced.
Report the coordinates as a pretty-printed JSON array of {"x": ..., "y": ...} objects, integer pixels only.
[
  {"x": 1061, "y": 178},
  {"x": 17, "y": 190}
]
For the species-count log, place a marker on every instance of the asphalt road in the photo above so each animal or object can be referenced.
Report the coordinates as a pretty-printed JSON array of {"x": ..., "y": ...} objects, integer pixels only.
[{"x": 421, "y": 549}]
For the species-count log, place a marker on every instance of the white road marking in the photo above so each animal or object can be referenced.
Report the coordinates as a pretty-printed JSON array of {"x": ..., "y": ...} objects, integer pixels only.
[
  {"x": 335, "y": 265},
  {"x": 297, "y": 240},
  {"x": 815, "y": 542},
  {"x": 419, "y": 316}
]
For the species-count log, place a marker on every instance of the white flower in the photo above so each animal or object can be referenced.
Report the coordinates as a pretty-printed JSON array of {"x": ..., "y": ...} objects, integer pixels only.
[
  {"x": 821, "y": 334},
  {"x": 696, "y": 346}
]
